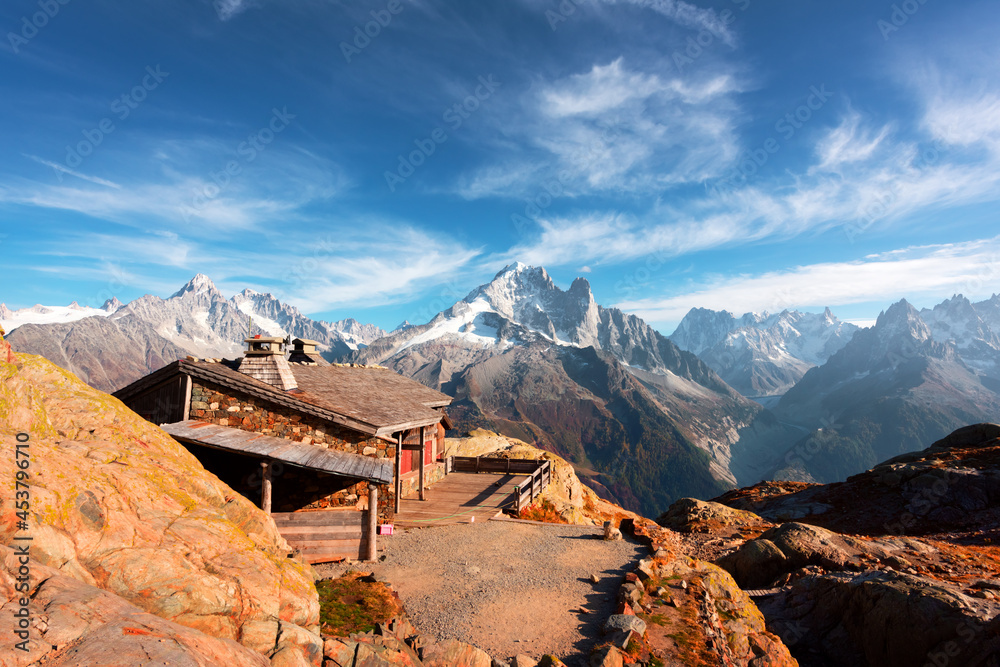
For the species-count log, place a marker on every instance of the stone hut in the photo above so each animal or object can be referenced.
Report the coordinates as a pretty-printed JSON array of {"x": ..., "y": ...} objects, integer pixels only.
[{"x": 313, "y": 443}]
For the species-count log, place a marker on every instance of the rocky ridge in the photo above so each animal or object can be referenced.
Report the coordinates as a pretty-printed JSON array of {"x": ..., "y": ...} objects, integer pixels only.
[{"x": 896, "y": 566}]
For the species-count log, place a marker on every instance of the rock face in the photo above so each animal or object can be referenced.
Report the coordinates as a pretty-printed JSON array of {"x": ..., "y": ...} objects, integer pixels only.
[
  {"x": 895, "y": 567},
  {"x": 887, "y": 619},
  {"x": 72, "y": 623},
  {"x": 118, "y": 504}
]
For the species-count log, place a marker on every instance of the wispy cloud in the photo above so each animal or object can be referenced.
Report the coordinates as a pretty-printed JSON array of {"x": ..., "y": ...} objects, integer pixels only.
[
  {"x": 685, "y": 14},
  {"x": 617, "y": 129},
  {"x": 60, "y": 169},
  {"x": 227, "y": 9},
  {"x": 162, "y": 182},
  {"x": 927, "y": 273},
  {"x": 848, "y": 143},
  {"x": 864, "y": 179}
]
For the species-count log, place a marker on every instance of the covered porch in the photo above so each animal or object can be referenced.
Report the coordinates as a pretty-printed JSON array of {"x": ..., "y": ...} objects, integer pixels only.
[{"x": 270, "y": 471}]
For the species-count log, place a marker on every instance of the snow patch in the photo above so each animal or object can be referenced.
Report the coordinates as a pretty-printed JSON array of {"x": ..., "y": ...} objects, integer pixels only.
[{"x": 39, "y": 314}]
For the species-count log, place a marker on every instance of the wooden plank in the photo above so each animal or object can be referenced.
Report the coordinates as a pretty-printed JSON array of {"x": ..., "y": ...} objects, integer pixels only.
[
  {"x": 329, "y": 523},
  {"x": 297, "y": 535},
  {"x": 333, "y": 546},
  {"x": 316, "y": 546},
  {"x": 348, "y": 517}
]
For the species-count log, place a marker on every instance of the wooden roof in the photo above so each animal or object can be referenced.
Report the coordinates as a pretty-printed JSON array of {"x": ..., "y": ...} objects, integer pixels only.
[
  {"x": 374, "y": 401},
  {"x": 298, "y": 454}
]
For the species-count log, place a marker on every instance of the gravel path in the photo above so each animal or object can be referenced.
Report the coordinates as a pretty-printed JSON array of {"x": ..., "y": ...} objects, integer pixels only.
[{"x": 507, "y": 588}]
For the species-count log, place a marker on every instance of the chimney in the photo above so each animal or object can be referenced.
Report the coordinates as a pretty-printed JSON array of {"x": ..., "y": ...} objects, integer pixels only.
[
  {"x": 264, "y": 360},
  {"x": 304, "y": 352}
]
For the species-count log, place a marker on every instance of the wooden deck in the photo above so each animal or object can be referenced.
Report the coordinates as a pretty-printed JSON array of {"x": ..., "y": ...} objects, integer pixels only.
[{"x": 457, "y": 498}]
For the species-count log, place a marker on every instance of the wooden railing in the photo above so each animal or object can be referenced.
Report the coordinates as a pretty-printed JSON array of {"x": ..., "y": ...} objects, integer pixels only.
[
  {"x": 540, "y": 474},
  {"x": 525, "y": 494},
  {"x": 484, "y": 464}
]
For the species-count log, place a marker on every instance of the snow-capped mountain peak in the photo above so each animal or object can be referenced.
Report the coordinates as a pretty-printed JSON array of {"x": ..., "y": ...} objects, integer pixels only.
[
  {"x": 901, "y": 319},
  {"x": 200, "y": 284},
  {"x": 111, "y": 305}
]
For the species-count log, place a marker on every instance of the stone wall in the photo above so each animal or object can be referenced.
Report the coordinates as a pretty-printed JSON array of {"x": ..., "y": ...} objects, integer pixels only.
[
  {"x": 433, "y": 472},
  {"x": 226, "y": 407}
]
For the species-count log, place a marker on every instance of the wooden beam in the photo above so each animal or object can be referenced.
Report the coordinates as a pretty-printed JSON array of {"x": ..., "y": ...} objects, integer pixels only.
[
  {"x": 422, "y": 446},
  {"x": 265, "y": 488},
  {"x": 372, "y": 526},
  {"x": 398, "y": 481}
]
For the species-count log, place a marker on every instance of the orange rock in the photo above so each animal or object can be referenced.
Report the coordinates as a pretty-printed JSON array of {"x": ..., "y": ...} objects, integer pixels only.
[{"x": 117, "y": 503}]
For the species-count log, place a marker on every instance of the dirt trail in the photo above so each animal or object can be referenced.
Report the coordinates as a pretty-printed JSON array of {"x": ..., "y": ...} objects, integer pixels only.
[{"x": 508, "y": 588}]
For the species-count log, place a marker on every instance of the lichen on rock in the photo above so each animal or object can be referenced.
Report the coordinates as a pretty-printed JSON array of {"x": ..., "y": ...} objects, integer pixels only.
[{"x": 117, "y": 503}]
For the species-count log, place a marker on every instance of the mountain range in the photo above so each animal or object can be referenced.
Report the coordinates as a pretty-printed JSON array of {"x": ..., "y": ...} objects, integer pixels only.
[
  {"x": 644, "y": 418},
  {"x": 892, "y": 385},
  {"x": 635, "y": 414},
  {"x": 117, "y": 344},
  {"x": 762, "y": 355}
]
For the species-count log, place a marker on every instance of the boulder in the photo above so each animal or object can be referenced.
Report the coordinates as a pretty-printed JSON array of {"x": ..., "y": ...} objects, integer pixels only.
[
  {"x": 339, "y": 651},
  {"x": 607, "y": 656},
  {"x": 388, "y": 651},
  {"x": 73, "y": 623},
  {"x": 118, "y": 504},
  {"x": 623, "y": 623},
  {"x": 792, "y": 546},
  {"x": 689, "y": 515},
  {"x": 521, "y": 660},
  {"x": 453, "y": 653}
]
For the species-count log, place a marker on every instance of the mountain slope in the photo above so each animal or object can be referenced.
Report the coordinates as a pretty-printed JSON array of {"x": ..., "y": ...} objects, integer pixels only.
[
  {"x": 601, "y": 388},
  {"x": 893, "y": 388},
  {"x": 108, "y": 354},
  {"x": 762, "y": 355}
]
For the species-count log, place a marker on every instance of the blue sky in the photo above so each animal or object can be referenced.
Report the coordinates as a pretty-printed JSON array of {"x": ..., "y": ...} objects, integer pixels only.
[{"x": 734, "y": 154}]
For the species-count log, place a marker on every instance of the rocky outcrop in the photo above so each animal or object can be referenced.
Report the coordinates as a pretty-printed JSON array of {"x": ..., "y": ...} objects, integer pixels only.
[
  {"x": 887, "y": 619},
  {"x": 690, "y": 515},
  {"x": 118, "y": 504},
  {"x": 950, "y": 486},
  {"x": 793, "y": 546},
  {"x": 894, "y": 567},
  {"x": 397, "y": 644},
  {"x": 70, "y": 623},
  {"x": 694, "y": 612}
]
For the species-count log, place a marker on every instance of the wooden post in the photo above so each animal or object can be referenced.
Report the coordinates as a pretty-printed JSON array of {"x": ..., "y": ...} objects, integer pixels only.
[
  {"x": 265, "y": 487},
  {"x": 422, "y": 445},
  {"x": 398, "y": 483},
  {"x": 372, "y": 527},
  {"x": 187, "y": 398}
]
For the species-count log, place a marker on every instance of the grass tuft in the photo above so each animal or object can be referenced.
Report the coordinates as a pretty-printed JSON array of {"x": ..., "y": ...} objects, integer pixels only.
[{"x": 348, "y": 605}]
